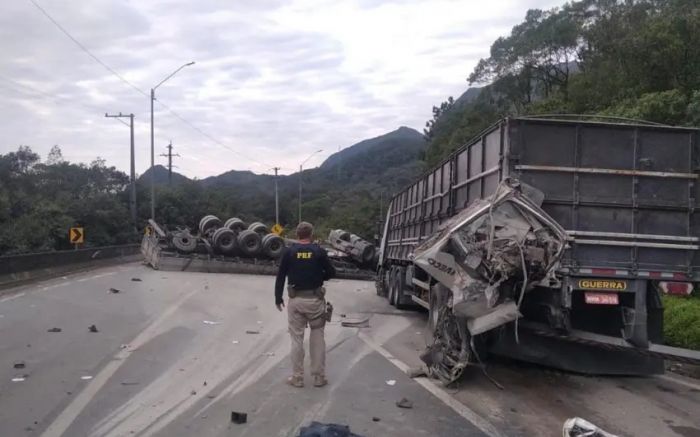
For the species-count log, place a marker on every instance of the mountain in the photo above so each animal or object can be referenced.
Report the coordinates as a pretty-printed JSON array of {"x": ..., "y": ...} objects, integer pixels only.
[
  {"x": 390, "y": 149},
  {"x": 161, "y": 176}
]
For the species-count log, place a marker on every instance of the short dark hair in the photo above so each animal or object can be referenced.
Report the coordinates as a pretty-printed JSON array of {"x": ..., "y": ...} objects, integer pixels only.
[{"x": 304, "y": 230}]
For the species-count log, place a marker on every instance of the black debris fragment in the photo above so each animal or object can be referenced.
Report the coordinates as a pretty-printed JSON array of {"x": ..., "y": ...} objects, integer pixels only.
[
  {"x": 93, "y": 328},
  {"x": 239, "y": 418},
  {"x": 193, "y": 392},
  {"x": 316, "y": 429},
  {"x": 136, "y": 279},
  {"x": 362, "y": 322},
  {"x": 114, "y": 290},
  {"x": 130, "y": 383},
  {"x": 19, "y": 365},
  {"x": 376, "y": 419},
  {"x": 205, "y": 383},
  {"x": 404, "y": 403},
  {"x": 252, "y": 331},
  {"x": 211, "y": 396},
  {"x": 54, "y": 330}
]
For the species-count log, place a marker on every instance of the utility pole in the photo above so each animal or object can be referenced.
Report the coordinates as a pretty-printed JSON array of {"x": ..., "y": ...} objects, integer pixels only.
[
  {"x": 277, "y": 201},
  {"x": 301, "y": 170},
  {"x": 170, "y": 155},
  {"x": 132, "y": 191}
]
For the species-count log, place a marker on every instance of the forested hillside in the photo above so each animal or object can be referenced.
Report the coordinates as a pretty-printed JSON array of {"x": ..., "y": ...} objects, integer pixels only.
[{"x": 634, "y": 59}]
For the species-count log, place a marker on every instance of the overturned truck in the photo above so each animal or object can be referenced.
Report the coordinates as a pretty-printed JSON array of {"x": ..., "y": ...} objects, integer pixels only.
[{"x": 549, "y": 241}]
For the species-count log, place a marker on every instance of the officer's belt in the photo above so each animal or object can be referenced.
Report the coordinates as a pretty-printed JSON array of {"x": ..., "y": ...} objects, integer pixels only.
[{"x": 309, "y": 292}]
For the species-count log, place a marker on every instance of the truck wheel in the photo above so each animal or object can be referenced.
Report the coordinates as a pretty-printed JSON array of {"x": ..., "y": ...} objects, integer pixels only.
[
  {"x": 184, "y": 242},
  {"x": 382, "y": 284},
  {"x": 430, "y": 325},
  {"x": 208, "y": 224},
  {"x": 224, "y": 240},
  {"x": 400, "y": 295},
  {"x": 392, "y": 286},
  {"x": 259, "y": 228},
  {"x": 249, "y": 243},
  {"x": 235, "y": 224},
  {"x": 272, "y": 246}
]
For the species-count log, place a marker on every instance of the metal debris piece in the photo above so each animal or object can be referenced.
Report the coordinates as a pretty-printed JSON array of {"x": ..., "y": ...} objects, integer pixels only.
[
  {"x": 210, "y": 322},
  {"x": 235, "y": 342},
  {"x": 376, "y": 419},
  {"x": 54, "y": 330},
  {"x": 252, "y": 331},
  {"x": 415, "y": 372},
  {"x": 19, "y": 365},
  {"x": 404, "y": 403},
  {"x": 114, "y": 290},
  {"x": 192, "y": 393},
  {"x": 577, "y": 427},
  {"x": 485, "y": 259},
  {"x": 238, "y": 417},
  {"x": 362, "y": 322},
  {"x": 19, "y": 378},
  {"x": 211, "y": 396},
  {"x": 391, "y": 382},
  {"x": 86, "y": 377},
  {"x": 93, "y": 328},
  {"x": 205, "y": 384},
  {"x": 130, "y": 383},
  {"x": 136, "y": 279}
]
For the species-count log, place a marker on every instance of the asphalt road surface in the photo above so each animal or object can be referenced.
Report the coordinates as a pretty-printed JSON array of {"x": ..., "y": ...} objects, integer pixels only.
[{"x": 172, "y": 358}]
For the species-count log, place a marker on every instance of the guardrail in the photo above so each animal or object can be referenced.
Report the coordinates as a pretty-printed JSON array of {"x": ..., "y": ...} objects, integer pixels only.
[{"x": 15, "y": 269}]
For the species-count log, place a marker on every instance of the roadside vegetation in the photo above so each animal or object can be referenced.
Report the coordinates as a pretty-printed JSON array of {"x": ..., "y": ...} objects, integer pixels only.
[{"x": 682, "y": 321}]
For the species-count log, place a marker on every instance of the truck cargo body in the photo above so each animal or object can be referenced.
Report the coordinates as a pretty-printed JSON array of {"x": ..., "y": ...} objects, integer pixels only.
[{"x": 627, "y": 196}]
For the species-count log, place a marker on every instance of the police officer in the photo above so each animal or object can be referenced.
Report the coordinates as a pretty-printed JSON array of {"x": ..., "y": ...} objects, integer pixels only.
[{"x": 306, "y": 266}]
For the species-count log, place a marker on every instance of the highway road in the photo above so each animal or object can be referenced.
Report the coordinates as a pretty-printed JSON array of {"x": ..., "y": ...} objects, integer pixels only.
[{"x": 172, "y": 358}]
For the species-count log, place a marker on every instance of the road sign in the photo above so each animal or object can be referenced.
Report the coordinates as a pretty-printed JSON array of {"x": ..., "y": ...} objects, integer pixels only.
[
  {"x": 76, "y": 235},
  {"x": 277, "y": 229}
]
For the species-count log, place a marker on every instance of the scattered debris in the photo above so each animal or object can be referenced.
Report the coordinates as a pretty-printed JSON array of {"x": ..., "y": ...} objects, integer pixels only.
[
  {"x": 86, "y": 377},
  {"x": 252, "y": 331},
  {"x": 391, "y": 382},
  {"x": 577, "y": 427},
  {"x": 19, "y": 365},
  {"x": 404, "y": 403},
  {"x": 342, "y": 315},
  {"x": 361, "y": 322},
  {"x": 93, "y": 328},
  {"x": 316, "y": 429},
  {"x": 193, "y": 393},
  {"x": 376, "y": 419},
  {"x": 136, "y": 279},
  {"x": 130, "y": 383},
  {"x": 54, "y": 330},
  {"x": 123, "y": 346},
  {"x": 19, "y": 378},
  {"x": 235, "y": 342},
  {"x": 269, "y": 354},
  {"x": 209, "y": 322},
  {"x": 206, "y": 287},
  {"x": 239, "y": 418},
  {"x": 416, "y": 372},
  {"x": 114, "y": 290},
  {"x": 211, "y": 396},
  {"x": 69, "y": 393},
  {"x": 205, "y": 384}
]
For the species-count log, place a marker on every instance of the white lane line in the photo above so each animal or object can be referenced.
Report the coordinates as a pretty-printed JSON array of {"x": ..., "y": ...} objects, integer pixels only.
[
  {"x": 470, "y": 415},
  {"x": 73, "y": 410},
  {"x": 14, "y": 296},
  {"x": 679, "y": 381}
]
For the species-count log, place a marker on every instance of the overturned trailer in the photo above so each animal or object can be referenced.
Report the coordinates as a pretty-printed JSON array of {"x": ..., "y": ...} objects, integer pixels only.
[
  {"x": 359, "y": 250},
  {"x": 549, "y": 241}
]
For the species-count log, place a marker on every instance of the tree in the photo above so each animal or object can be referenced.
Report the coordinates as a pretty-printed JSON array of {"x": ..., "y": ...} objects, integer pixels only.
[{"x": 55, "y": 156}]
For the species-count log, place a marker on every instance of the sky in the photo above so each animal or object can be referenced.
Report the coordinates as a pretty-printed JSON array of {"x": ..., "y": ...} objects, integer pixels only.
[{"x": 273, "y": 81}]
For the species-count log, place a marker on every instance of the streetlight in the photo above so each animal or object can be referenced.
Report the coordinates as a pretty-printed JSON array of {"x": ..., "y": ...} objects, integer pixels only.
[
  {"x": 300, "y": 170},
  {"x": 153, "y": 176}
]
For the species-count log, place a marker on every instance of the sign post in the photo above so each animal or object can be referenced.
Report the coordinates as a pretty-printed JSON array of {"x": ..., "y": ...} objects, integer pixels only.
[
  {"x": 76, "y": 236},
  {"x": 277, "y": 229}
]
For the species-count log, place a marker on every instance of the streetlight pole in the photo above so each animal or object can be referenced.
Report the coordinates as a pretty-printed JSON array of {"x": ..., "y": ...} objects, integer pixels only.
[
  {"x": 153, "y": 158},
  {"x": 132, "y": 188},
  {"x": 301, "y": 166},
  {"x": 277, "y": 202}
]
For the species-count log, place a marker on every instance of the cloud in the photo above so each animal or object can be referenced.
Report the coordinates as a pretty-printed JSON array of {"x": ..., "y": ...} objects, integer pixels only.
[{"x": 273, "y": 81}]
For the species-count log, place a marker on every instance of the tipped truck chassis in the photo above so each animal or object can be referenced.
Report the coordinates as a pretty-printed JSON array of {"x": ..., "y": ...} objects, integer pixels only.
[{"x": 627, "y": 196}]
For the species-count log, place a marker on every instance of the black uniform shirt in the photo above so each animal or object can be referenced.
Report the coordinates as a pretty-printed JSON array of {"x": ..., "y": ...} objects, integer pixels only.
[{"x": 306, "y": 265}]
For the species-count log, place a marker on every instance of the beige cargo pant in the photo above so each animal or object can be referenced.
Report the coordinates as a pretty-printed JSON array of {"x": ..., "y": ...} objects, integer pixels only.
[{"x": 309, "y": 311}]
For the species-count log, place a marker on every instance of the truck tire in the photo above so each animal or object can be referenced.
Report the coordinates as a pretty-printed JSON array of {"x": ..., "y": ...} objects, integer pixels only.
[
  {"x": 235, "y": 224},
  {"x": 184, "y": 242},
  {"x": 249, "y": 243},
  {"x": 272, "y": 246},
  {"x": 433, "y": 299},
  {"x": 344, "y": 235},
  {"x": 258, "y": 228},
  {"x": 224, "y": 240},
  {"x": 400, "y": 296},
  {"x": 382, "y": 284},
  {"x": 208, "y": 224}
]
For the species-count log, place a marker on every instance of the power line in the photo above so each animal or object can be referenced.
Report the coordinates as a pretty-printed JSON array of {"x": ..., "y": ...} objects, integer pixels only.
[
  {"x": 85, "y": 49},
  {"x": 140, "y": 91}
]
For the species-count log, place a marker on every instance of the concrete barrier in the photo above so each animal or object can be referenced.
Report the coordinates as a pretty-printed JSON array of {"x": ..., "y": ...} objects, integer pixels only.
[{"x": 18, "y": 269}]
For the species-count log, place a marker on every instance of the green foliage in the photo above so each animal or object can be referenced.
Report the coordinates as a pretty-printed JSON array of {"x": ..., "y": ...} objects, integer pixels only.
[
  {"x": 682, "y": 321},
  {"x": 667, "y": 107}
]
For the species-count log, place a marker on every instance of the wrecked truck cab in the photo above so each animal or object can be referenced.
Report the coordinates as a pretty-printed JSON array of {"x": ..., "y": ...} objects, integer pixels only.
[{"x": 486, "y": 258}]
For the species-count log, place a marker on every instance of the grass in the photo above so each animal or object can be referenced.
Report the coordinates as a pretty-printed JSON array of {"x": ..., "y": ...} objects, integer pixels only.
[{"x": 682, "y": 321}]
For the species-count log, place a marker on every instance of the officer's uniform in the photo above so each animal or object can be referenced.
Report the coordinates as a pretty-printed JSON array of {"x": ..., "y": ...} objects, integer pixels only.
[{"x": 306, "y": 266}]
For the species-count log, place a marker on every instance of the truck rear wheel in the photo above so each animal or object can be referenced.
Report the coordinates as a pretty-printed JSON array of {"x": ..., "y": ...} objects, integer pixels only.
[{"x": 400, "y": 289}]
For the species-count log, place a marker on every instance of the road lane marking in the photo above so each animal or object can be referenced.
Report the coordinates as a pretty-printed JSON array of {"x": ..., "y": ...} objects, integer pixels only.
[
  {"x": 15, "y": 296},
  {"x": 467, "y": 413},
  {"x": 59, "y": 426}
]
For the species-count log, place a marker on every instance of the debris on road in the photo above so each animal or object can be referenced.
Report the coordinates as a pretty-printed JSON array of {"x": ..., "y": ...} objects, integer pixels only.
[
  {"x": 20, "y": 378},
  {"x": 19, "y": 365},
  {"x": 360, "y": 322},
  {"x": 239, "y": 418},
  {"x": 416, "y": 372},
  {"x": 376, "y": 419},
  {"x": 130, "y": 383},
  {"x": 193, "y": 393},
  {"x": 210, "y": 322},
  {"x": 485, "y": 259},
  {"x": 269, "y": 354},
  {"x": 211, "y": 396},
  {"x": 391, "y": 382},
  {"x": 54, "y": 330},
  {"x": 404, "y": 403},
  {"x": 136, "y": 279},
  {"x": 577, "y": 427},
  {"x": 93, "y": 328},
  {"x": 123, "y": 346},
  {"x": 86, "y": 377},
  {"x": 317, "y": 429},
  {"x": 252, "y": 331},
  {"x": 114, "y": 290},
  {"x": 235, "y": 342}
]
